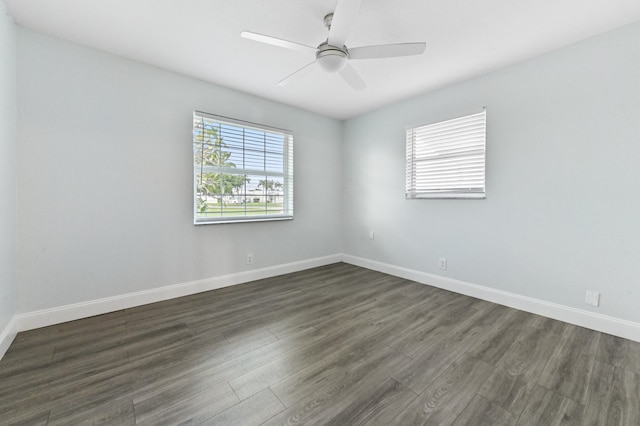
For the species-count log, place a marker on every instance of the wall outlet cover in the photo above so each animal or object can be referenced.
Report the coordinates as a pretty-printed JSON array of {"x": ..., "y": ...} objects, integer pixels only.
[
  {"x": 592, "y": 298},
  {"x": 442, "y": 262}
]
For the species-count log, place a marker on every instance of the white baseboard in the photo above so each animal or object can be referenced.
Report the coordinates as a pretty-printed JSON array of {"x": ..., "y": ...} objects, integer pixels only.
[
  {"x": 28, "y": 321},
  {"x": 606, "y": 324},
  {"x": 46, "y": 317},
  {"x": 7, "y": 335}
]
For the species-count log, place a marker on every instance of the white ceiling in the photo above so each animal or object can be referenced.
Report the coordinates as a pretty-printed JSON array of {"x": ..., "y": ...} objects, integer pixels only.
[{"x": 201, "y": 38}]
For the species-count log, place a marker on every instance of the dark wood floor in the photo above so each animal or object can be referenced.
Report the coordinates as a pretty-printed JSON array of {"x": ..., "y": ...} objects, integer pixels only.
[{"x": 335, "y": 345}]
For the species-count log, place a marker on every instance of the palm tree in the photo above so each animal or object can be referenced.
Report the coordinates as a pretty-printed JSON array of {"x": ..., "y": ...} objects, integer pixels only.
[
  {"x": 268, "y": 186},
  {"x": 278, "y": 186},
  {"x": 209, "y": 151},
  {"x": 237, "y": 182}
]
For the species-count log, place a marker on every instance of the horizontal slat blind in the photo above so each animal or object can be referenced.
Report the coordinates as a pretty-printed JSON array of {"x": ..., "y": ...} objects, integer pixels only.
[
  {"x": 447, "y": 159},
  {"x": 242, "y": 171}
]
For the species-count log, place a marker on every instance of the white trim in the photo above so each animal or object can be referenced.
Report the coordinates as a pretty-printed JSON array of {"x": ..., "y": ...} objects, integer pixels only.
[
  {"x": 606, "y": 324},
  {"x": 46, "y": 317},
  {"x": 7, "y": 335},
  {"x": 28, "y": 321}
]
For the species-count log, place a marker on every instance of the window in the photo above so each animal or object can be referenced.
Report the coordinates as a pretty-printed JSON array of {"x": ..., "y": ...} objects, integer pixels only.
[
  {"x": 447, "y": 159},
  {"x": 242, "y": 171}
]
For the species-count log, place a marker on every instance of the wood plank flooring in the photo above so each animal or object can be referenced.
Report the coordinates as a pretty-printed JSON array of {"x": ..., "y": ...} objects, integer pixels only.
[{"x": 336, "y": 345}]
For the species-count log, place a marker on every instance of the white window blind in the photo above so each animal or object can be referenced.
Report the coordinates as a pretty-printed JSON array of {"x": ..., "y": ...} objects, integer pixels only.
[
  {"x": 447, "y": 159},
  {"x": 242, "y": 171}
]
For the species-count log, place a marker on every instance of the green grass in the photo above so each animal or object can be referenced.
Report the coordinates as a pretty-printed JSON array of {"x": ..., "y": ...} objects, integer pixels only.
[{"x": 216, "y": 210}]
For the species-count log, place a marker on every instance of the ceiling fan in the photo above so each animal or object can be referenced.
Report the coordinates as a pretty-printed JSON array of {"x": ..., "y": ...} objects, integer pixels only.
[{"x": 332, "y": 55}]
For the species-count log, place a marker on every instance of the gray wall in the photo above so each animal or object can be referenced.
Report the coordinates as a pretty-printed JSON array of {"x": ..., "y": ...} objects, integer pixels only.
[
  {"x": 105, "y": 179},
  {"x": 7, "y": 164},
  {"x": 563, "y": 180}
]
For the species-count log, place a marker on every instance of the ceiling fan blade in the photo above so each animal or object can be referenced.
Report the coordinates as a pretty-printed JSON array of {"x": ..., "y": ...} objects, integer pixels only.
[
  {"x": 278, "y": 42},
  {"x": 343, "y": 19},
  {"x": 296, "y": 74},
  {"x": 352, "y": 78},
  {"x": 387, "y": 50}
]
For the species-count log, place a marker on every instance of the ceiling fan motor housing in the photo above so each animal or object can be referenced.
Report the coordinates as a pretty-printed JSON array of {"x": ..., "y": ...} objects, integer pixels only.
[{"x": 332, "y": 58}]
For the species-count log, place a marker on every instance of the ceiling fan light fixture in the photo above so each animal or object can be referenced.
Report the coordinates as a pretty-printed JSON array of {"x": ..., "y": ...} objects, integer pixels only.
[
  {"x": 332, "y": 55},
  {"x": 332, "y": 59}
]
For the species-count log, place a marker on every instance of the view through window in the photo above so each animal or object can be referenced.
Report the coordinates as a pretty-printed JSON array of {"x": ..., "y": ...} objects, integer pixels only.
[{"x": 242, "y": 171}]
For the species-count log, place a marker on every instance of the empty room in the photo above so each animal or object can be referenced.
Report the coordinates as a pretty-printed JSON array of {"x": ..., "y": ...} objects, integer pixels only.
[{"x": 272, "y": 212}]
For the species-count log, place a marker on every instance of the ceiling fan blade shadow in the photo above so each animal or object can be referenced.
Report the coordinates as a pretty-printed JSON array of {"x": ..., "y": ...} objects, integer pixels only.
[
  {"x": 387, "y": 50},
  {"x": 352, "y": 78},
  {"x": 274, "y": 41},
  {"x": 344, "y": 17},
  {"x": 296, "y": 75}
]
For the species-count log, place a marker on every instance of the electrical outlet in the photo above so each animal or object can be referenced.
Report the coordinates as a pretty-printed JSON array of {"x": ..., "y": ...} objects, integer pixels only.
[
  {"x": 592, "y": 298},
  {"x": 249, "y": 258},
  {"x": 443, "y": 263},
  {"x": 371, "y": 235}
]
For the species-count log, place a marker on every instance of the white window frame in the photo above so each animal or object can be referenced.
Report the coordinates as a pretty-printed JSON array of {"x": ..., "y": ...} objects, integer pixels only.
[
  {"x": 447, "y": 159},
  {"x": 275, "y": 153}
]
